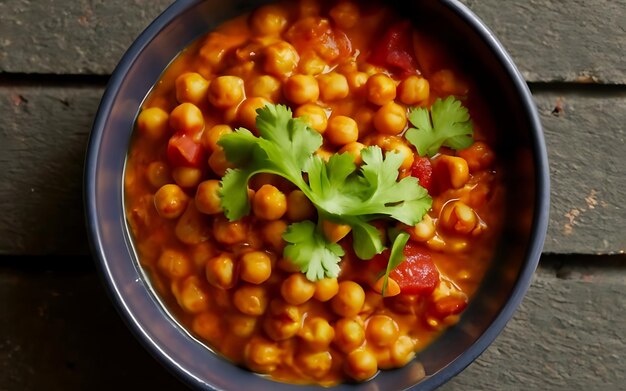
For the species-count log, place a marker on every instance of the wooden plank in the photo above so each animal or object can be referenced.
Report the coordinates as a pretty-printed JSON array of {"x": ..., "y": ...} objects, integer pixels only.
[
  {"x": 566, "y": 335},
  {"x": 586, "y": 139},
  {"x": 45, "y": 133},
  {"x": 60, "y": 332},
  {"x": 574, "y": 40},
  {"x": 86, "y": 37},
  {"x": 550, "y": 41}
]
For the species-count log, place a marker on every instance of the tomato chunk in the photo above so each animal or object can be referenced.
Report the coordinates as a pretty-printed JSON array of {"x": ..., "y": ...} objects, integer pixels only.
[
  {"x": 182, "y": 150},
  {"x": 313, "y": 33},
  {"x": 422, "y": 169},
  {"x": 417, "y": 275},
  {"x": 395, "y": 50},
  {"x": 451, "y": 305}
]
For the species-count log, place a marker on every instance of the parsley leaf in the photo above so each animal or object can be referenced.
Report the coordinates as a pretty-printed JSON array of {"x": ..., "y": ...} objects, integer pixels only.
[
  {"x": 340, "y": 191},
  {"x": 396, "y": 257},
  {"x": 311, "y": 252},
  {"x": 448, "y": 124},
  {"x": 284, "y": 146}
]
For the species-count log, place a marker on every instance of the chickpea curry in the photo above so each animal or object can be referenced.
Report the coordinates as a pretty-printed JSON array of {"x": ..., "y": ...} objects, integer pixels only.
[{"x": 313, "y": 191}]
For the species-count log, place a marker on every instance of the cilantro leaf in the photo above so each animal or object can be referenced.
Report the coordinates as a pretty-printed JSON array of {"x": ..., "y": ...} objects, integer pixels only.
[
  {"x": 396, "y": 256},
  {"x": 284, "y": 146},
  {"x": 448, "y": 124},
  {"x": 311, "y": 252}
]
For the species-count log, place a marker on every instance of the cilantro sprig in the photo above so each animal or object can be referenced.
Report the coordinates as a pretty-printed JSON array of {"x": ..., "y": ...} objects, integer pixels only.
[
  {"x": 340, "y": 191},
  {"x": 447, "y": 124}
]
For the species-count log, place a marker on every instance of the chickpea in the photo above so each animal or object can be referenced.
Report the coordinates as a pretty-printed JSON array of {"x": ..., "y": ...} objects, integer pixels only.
[
  {"x": 326, "y": 289},
  {"x": 187, "y": 176},
  {"x": 311, "y": 63},
  {"x": 209, "y": 326},
  {"x": 335, "y": 232},
  {"x": 170, "y": 201},
  {"x": 317, "y": 332},
  {"x": 300, "y": 89},
  {"x": 333, "y": 86},
  {"x": 286, "y": 265},
  {"x": 265, "y": 86},
  {"x": 454, "y": 168},
  {"x": 413, "y": 90},
  {"x": 314, "y": 115},
  {"x": 208, "y": 200},
  {"x": 272, "y": 234},
  {"x": 315, "y": 364},
  {"x": 390, "y": 118},
  {"x": 361, "y": 365},
  {"x": 201, "y": 253},
  {"x": 229, "y": 232},
  {"x": 256, "y": 267},
  {"x": 324, "y": 153},
  {"x": 296, "y": 289},
  {"x": 158, "y": 174},
  {"x": 174, "y": 264},
  {"x": 357, "y": 81},
  {"x": 299, "y": 207},
  {"x": 269, "y": 203},
  {"x": 247, "y": 113},
  {"x": 268, "y": 20},
  {"x": 153, "y": 124},
  {"x": 342, "y": 130},
  {"x": 284, "y": 320},
  {"x": 262, "y": 355},
  {"x": 402, "y": 351},
  {"x": 424, "y": 230},
  {"x": 219, "y": 163},
  {"x": 210, "y": 137},
  {"x": 448, "y": 83},
  {"x": 398, "y": 145},
  {"x": 349, "y": 334},
  {"x": 478, "y": 156},
  {"x": 345, "y": 14},
  {"x": 220, "y": 271},
  {"x": 281, "y": 59},
  {"x": 349, "y": 299},
  {"x": 226, "y": 91},
  {"x": 242, "y": 326},
  {"x": 250, "y": 299},
  {"x": 364, "y": 118},
  {"x": 381, "y": 330},
  {"x": 192, "y": 297},
  {"x": 380, "y": 89},
  {"x": 353, "y": 148},
  {"x": 347, "y": 67},
  {"x": 456, "y": 216},
  {"x": 191, "y": 87},
  {"x": 392, "y": 288},
  {"x": 192, "y": 227},
  {"x": 187, "y": 117}
]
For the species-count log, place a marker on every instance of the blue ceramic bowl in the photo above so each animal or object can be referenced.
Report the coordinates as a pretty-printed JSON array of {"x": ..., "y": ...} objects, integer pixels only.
[{"x": 522, "y": 150}]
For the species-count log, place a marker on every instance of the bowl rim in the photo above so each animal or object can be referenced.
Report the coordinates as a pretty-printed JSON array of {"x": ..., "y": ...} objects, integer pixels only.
[{"x": 531, "y": 258}]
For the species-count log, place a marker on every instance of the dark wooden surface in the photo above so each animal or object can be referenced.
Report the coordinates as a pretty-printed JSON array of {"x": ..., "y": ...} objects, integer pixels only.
[{"x": 58, "y": 330}]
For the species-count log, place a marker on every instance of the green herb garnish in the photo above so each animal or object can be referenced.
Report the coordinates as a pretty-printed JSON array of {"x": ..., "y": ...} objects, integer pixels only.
[
  {"x": 447, "y": 124},
  {"x": 340, "y": 192},
  {"x": 396, "y": 257}
]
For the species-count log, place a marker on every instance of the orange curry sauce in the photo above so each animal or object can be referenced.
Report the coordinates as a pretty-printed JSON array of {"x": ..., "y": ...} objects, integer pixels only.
[{"x": 265, "y": 315}]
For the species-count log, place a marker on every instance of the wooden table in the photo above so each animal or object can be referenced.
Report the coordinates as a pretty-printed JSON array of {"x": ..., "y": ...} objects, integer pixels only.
[{"x": 58, "y": 330}]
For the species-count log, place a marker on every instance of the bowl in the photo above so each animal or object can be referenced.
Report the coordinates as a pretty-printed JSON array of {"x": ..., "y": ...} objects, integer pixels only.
[{"x": 523, "y": 154}]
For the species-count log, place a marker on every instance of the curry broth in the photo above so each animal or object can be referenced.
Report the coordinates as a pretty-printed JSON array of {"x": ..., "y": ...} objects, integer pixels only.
[{"x": 208, "y": 311}]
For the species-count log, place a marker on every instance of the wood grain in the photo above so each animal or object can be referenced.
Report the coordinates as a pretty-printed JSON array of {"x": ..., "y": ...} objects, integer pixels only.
[
  {"x": 45, "y": 132},
  {"x": 574, "y": 40},
  {"x": 60, "y": 332}
]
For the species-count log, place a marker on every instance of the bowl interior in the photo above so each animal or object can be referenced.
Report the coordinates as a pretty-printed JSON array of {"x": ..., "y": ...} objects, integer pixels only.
[{"x": 521, "y": 150}]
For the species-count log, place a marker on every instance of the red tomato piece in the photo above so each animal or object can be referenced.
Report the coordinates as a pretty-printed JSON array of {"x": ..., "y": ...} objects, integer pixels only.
[
  {"x": 395, "y": 50},
  {"x": 417, "y": 275},
  {"x": 423, "y": 170},
  {"x": 183, "y": 151}
]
